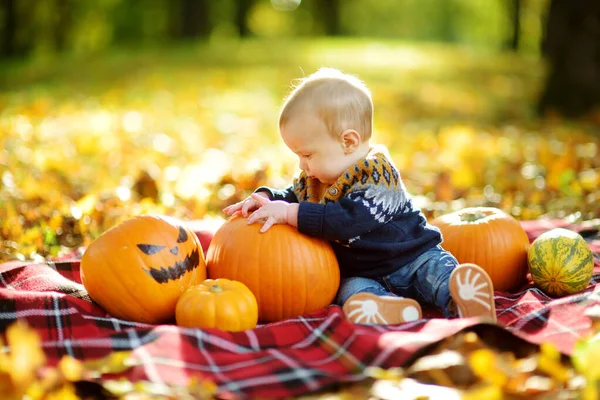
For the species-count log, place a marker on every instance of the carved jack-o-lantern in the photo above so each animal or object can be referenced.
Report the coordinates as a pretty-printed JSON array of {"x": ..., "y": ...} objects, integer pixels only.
[{"x": 138, "y": 269}]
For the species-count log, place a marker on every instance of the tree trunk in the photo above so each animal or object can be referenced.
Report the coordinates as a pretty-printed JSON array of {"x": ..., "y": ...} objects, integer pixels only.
[
  {"x": 331, "y": 17},
  {"x": 195, "y": 18},
  {"x": 571, "y": 46},
  {"x": 64, "y": 9},
  {"x": 10, "y": 26},
  {"x": 446, "y": 26},
  {"x": 515, "y": 17},
  {"x": 241, "y": 17}
]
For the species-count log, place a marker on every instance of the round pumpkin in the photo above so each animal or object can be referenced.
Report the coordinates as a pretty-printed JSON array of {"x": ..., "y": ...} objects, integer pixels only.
[
  {"x": 490, "y": 238},
  {"x": 289, "y": 273},
  {"x": 560, "y": 262},
  {"x": 137, "y": 270},
  {"x": 217, "y": 303}
]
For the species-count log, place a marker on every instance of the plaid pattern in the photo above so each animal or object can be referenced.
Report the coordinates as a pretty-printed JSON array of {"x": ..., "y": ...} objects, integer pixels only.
[
  {"x": 536, "y": 317},
  {"x": 287, "y": 358}
]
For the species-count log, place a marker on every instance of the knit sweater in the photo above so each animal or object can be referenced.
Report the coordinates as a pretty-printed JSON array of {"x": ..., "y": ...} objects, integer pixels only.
[{"x": 367, "y": 215}]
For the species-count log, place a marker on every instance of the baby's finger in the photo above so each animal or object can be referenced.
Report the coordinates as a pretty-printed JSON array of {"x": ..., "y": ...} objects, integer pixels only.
[
  {"x": 268, "y": 223},
  {"x": 247, "y": 206},
  {"x": 261, "y": 200},
  {"x": 231, "y": 208},
  {"x": 256, "y": 216}
]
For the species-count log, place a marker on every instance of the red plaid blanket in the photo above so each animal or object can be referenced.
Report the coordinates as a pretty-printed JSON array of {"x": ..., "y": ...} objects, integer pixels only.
[{"x": 291, "y": 357}]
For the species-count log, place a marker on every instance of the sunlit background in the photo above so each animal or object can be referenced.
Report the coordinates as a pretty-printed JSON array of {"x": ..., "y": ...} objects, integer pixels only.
[{"x": 112, "y": 108}]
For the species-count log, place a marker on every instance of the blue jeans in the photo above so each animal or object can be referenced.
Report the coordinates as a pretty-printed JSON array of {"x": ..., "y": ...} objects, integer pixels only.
[{"x": 425, "y": 280}]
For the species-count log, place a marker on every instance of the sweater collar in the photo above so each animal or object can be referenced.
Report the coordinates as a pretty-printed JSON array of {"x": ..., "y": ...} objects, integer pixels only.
[{"x": 311, "y": 189}]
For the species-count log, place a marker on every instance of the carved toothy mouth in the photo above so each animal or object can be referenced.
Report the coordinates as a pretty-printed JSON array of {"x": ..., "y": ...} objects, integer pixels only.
[{"x": 180, "y": 268}]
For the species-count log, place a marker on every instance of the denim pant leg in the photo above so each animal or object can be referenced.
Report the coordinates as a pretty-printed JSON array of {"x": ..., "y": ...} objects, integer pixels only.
[
  {"x": 426, "y": 279},
  {"x": 354, "y": 285}
]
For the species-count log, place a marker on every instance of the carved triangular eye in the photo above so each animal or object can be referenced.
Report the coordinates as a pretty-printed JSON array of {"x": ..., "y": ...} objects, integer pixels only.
[
  {"x": 150, "y": 249},
  {"x": 183, "y": 236}
]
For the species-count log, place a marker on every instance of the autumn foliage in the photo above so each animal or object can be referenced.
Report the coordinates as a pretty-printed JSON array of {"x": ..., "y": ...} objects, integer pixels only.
[{"x": 180, "y": 136}]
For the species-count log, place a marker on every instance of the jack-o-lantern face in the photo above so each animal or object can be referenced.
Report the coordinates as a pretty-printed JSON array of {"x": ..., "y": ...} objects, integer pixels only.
[
  {"x": 179, "y": 267},
  {"x": 138, "y": 269}
]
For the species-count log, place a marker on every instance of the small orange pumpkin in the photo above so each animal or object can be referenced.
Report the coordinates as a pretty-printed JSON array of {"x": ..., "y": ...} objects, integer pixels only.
[
  {"x": 289, "y": 273},
  {"x": 217, "y": 303},
  {"x": 137, "y": 270},
  {"x": 490, "y": 238}
]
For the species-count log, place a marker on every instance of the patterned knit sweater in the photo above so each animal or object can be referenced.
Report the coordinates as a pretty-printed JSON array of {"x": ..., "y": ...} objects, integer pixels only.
[{"x": 367, "y": 215}]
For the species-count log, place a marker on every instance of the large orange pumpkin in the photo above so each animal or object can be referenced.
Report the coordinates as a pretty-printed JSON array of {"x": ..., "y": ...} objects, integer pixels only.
[
  {"x": 137, "y": 270},
  {"x": 490, "y": 238},
  {"x": 289, "y": 273}
]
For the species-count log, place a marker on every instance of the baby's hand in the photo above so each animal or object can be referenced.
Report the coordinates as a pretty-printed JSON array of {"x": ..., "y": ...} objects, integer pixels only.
[
  {"x": 245, "y": 206},
  {"x": 271, "y": 212}
]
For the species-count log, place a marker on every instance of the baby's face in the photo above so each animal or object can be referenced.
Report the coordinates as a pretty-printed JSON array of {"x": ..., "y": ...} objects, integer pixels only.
[{"x": 321, "y": 155}]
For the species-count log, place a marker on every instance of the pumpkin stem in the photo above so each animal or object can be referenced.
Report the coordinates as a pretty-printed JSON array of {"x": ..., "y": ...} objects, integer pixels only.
[
  {"x": 216, "y": 289},
  {"x": 472, "y": 216}
]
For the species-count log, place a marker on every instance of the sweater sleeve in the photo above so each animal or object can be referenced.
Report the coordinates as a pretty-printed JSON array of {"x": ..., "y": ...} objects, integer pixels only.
[
  {"x": 362, "y": 210},
  {"x": 286, "y": 194}
]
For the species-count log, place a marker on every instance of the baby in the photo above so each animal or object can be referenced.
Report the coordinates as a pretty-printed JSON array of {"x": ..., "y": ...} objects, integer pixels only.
[{"x": 350, "y": 193}]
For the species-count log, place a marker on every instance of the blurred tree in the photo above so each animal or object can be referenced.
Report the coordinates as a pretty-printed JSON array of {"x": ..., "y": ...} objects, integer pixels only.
[
  {"x": 43, "y": 27},
  {"x": 195, "y": 18},
  {"x": 140, "y": 22},
  {"x": 446, "y": 27},
  {"x": 62, "y": 24},
  {"x": 571, "y": 45},
  {"x": 330, "y": 15},
  {"x": 17, "y": 35},
  {"x": 514, "y": 11},
  {"x": 242, "y": 10},
  {"x": 8, "y": 7}
]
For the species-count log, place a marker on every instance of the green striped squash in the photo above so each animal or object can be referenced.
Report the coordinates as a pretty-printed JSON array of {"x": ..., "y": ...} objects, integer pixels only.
[{"x": 560, "y": 262}]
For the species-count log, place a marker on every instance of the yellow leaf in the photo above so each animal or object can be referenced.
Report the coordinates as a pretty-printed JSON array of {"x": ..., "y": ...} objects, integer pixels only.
[
  {"x": 65, "y": 392},
  {"x": 55, "y": 221},
  {"x": 384, "y": 374},
  {"x": 202, "y": 387},
  {"x": 87, "y": 203},
  {"x": 550, "y": 351},
  {"x": 590, "y": 392},
  {"x": 113, "y": 363},
  {"x": 484, "y": 364},
  {"x": 488, "y": 392},
  {"x": 118, "y": 387},
  {"x": 26, "y": 353},
  {"x": 549, "y": 363},
  {"x": 463, "y": 177},
  {"x": 71, "y": 368},
  {"x": 6, "y": 385}
]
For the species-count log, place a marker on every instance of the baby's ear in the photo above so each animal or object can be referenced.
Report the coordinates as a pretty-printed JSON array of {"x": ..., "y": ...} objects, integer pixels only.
[{"x": 351, "y": 140}]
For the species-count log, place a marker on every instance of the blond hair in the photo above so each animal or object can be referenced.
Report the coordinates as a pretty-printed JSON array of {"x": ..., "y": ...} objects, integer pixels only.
[{"x": 340, "y": 100}]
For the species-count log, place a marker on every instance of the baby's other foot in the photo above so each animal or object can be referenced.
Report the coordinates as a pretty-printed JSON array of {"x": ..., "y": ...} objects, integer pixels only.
[
  {"x": 368, "y": 308},
  {"x": 473, "y": 292}
]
